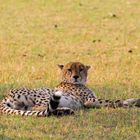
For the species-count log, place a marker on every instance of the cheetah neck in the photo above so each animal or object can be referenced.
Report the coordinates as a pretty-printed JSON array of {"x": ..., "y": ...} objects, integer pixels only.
[{"x": 70, "y": 86}]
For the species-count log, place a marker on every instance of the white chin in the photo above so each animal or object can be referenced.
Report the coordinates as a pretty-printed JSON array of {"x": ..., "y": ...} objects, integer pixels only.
[{"x": 76, "y": 82}]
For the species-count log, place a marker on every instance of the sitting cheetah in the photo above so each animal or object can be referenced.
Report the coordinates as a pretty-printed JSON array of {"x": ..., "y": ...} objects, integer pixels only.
[{"x": 69, "y": 95}]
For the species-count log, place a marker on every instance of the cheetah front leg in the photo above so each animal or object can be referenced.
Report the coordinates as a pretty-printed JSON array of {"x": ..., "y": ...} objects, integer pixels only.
[
  {"x": 98, "y": 103},
  {"x": 63, "y": 111}
]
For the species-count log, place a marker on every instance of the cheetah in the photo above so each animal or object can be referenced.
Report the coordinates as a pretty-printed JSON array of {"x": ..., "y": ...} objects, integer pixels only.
[{"x": 71, "y": 94}]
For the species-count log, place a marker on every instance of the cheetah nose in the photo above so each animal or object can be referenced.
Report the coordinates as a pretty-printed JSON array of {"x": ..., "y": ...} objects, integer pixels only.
[{"x": 75, "y": 76}]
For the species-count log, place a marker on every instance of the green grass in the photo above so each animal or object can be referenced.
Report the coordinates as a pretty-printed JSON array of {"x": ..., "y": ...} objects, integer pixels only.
[{"x": 35, "y": 36}]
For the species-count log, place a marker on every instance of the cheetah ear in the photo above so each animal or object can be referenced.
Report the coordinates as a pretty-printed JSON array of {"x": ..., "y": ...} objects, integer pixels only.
[
  {"x": 88, "y": 67},
  {"x": 60, "y": 66}
]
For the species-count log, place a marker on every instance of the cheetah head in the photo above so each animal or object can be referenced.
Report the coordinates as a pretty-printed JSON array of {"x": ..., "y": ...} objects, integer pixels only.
[{"x": 74, "y": 72}]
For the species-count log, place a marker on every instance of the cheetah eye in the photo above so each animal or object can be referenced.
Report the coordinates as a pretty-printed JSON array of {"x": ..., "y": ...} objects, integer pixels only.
[
  {"x": 69, "y": 70},
  {"x": 81, "y": 69}
]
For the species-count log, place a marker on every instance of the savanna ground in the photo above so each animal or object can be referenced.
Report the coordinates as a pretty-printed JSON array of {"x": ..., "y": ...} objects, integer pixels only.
[{"x": 37, "y": 35}]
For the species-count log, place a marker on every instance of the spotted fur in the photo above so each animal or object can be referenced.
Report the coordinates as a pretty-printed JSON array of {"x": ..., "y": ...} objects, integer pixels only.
[
  {"x": 74, "y": 77},
  {"x": 21, "y": 101},
  {"x": 70, "y": 94}
]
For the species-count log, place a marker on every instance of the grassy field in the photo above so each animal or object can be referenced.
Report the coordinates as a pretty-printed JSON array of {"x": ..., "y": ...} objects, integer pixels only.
[{"x": 36, "y": 35}]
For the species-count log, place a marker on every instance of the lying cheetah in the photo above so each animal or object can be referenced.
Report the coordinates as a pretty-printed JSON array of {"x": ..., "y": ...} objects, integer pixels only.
[{"x": 69, "y": 95}]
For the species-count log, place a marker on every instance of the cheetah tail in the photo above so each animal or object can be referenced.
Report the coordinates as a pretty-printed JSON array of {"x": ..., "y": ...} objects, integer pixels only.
[
  {"x": 54, "y": 101},
  {"x": 9, "y": 110},
  {"x": 94, "y": 102}
]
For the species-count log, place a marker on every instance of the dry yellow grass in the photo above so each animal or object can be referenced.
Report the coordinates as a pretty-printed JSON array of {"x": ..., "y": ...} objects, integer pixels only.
[{"x": 35, "y": 36}]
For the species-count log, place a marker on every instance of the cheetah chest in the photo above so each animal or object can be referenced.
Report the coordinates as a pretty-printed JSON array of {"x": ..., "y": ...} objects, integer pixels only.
[{"x": 70, "y": 101}]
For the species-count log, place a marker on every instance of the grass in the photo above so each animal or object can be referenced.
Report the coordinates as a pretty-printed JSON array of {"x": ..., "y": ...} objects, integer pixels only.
[{"x": 35, "y": 36}]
